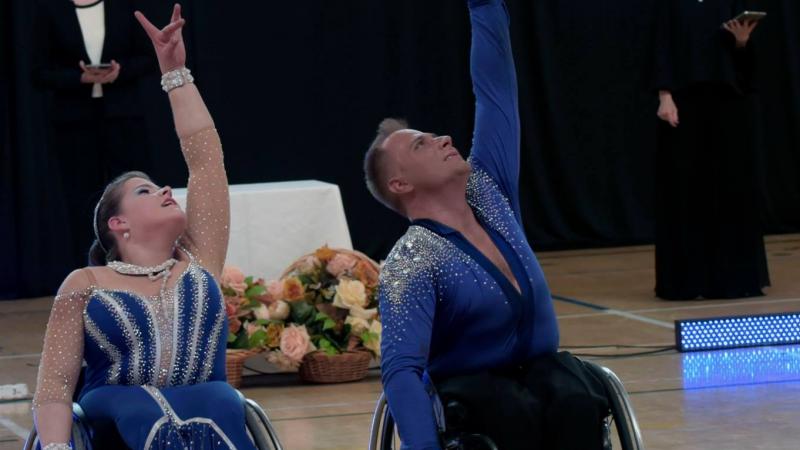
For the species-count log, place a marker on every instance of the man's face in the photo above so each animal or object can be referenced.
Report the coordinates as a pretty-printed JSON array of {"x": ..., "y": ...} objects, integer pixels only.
[{"x": 422, "y": 161}]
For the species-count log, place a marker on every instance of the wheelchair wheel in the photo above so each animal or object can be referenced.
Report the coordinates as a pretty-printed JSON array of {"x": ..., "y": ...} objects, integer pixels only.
[
  {"x": 630, "y": 436},
  {"x": 80, "y": 435},
  {"x": 260, "y": 427},
  {"x": 382, "y": 430}
]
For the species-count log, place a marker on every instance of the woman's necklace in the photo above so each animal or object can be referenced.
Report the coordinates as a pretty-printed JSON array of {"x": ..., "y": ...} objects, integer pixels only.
[{"x": 153, "y": 272}]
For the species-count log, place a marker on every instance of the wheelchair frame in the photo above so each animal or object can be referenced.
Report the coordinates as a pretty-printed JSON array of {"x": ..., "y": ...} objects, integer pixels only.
[
  {"x": 258, "y": 426},
  {"x": 383, "y": 430}
]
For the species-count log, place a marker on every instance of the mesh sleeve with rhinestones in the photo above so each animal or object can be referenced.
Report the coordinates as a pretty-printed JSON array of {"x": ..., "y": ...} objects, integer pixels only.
[
  {"x": 207, "y": 199},
  {"x": 62, "y": 352}
]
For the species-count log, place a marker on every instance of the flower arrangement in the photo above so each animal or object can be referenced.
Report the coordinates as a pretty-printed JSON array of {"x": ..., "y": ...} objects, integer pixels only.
[{"x": 324, "y": 302}]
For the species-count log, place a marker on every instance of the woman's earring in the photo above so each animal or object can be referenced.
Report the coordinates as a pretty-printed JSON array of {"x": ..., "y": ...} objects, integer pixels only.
[{"x": 126, "y": 235}]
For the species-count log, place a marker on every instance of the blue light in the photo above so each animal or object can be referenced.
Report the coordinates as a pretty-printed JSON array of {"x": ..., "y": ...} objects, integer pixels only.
[
  {"x": 733, "y": 332},
  {"x": 741, "y": 366}
]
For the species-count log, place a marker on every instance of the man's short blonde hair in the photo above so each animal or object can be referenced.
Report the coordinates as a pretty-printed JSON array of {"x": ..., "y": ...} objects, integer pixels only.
[{"x": 376, "y": 164}]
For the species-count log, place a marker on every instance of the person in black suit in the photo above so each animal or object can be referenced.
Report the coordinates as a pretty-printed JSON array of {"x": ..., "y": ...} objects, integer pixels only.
[
  {"x": 709, "y": 241},
  {"x": 97, "y": 122}
]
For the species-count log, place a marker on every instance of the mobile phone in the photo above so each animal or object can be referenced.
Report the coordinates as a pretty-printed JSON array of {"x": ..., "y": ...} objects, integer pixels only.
[
  {"x": 99, "y": 66},
  {"x": 750, "y": 16}
]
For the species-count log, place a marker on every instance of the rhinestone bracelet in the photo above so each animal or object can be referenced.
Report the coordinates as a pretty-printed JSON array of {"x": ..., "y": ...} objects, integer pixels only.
[
  {"x": 176, "y": 78},
  {"x": 57, "y": 446}
]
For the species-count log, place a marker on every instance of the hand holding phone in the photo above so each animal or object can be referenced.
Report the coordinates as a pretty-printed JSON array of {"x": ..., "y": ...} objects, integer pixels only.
[
  {"x": 101, "y": 66},
  {"x": 750, "y": 16},
  {"x": 743, "y": 25},
  {"x": 99, "y": 73}
]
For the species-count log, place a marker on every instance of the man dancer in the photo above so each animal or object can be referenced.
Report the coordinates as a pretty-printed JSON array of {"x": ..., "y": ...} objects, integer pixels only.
[{"x": 463, "y": 299}]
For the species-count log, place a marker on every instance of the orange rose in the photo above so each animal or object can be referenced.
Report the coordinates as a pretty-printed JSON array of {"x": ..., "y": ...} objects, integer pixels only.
[
  {"x": 366, "y": 273},
  {"x": 274, "y": 331},
  {"x": 324, "y": 254},
  {"x": 293, "y": 289}
]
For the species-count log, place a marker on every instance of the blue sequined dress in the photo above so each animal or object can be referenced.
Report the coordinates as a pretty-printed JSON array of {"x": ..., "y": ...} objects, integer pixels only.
[
  {"x": 165, "y": 363},
  {"x": 155, "y": 365}
]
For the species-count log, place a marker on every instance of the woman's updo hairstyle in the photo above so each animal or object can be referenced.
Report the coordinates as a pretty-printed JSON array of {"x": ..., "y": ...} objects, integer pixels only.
[{"x": 104, "y": 247}]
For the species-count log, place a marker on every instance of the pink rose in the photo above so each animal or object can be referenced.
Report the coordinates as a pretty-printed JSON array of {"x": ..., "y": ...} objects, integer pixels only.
[
  {"x": 308, "y": 264},
  {"x": 266, "y": 298},
  {"x": 233, "y": 277},
  {"x": 275, "y": 290},
  {"x": 295, "y": 342},
  {"x": 234, "y": 325},
  {"x": 340, "y": 264},
  {"x": 231, "y": 308}
]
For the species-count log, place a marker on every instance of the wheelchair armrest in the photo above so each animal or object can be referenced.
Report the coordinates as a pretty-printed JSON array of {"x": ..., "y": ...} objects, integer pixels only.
[{"x": 77, "y": 411}]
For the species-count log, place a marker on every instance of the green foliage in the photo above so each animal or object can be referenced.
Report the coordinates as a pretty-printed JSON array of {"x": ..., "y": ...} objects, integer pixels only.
[
  {"x": 327, "y": 347},
  {"x": 255, "y": 290},
  {"x": 302, "y": 312},
  {"x": 257, "y": 339}
]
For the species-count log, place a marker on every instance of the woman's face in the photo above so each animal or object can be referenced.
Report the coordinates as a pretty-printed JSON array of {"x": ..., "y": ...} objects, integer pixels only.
[{"x": 146, "y": 209}]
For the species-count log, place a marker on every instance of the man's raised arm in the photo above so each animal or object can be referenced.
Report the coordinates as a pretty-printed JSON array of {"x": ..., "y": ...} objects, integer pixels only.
[{"x": 495, "y": 145}]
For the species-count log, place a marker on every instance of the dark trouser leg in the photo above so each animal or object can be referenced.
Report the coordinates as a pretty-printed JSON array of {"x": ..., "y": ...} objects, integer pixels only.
[
  {"x": 575, "y": 403},
  {"x": 498, "y": 407}
]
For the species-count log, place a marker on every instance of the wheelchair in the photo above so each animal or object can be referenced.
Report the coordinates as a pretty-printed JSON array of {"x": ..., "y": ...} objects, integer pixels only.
[
  {"x": 383, "y": 435},
  {"x": 259, "y": 428}
]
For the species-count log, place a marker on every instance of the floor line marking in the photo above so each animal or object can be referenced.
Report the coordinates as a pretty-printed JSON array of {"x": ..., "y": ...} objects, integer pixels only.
[
  {"x": 629, "y": 315},
  {"x": 20, "y": 431},
  {"x": 604, "y": 310},
  {"x": 615, "y": 312},
  {"x": 718, "y": 305},
  {"x": 26, "y": 355}
]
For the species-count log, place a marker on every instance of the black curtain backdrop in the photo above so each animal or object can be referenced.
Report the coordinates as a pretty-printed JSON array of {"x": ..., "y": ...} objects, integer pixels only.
[{"x": 298, "y": 88}]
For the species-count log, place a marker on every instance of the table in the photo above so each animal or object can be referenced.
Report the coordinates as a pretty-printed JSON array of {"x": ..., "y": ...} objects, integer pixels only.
[{"x": 272, "y": 224}]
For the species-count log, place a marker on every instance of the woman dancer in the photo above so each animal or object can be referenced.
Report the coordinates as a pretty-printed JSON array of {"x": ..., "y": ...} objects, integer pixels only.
[{"x": 148, "y": 318}]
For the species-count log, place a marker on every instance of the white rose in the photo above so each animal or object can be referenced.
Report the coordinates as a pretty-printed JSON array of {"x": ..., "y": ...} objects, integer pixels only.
[
  {"x": 261, "y": 313},
  {"x": 279, "y": 310},
  {"x": 350, "y": 293},
  {"x": 375, "y": 344},
  {"x": 357, "y": 325},
  {"x": 361, "y": 313}
]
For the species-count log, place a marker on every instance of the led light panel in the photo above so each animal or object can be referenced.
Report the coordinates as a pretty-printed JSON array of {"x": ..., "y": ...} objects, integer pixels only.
[{"x": 733, "y": 332}]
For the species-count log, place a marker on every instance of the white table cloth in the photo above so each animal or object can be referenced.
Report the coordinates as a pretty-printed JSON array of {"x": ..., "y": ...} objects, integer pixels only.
[{"x": 272, "y": 224}]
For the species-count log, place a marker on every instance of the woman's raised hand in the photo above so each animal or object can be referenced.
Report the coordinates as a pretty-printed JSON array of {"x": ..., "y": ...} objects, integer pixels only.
[{"x": 168, "y": 41}]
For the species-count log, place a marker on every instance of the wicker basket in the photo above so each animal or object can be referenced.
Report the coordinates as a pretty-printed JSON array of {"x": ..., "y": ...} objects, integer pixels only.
[
  {"x": 234, "y": 363},
  {"x": 318, "y": 367},
  {"x": 292, "y": 267}
]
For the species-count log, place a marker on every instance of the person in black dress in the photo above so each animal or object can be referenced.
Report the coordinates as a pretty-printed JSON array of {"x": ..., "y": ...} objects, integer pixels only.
[
  {"x": 97, "y": 122},
  {"x": 709, "y": 242}
]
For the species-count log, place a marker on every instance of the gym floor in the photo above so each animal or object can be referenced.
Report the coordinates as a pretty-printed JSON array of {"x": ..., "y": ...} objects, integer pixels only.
[{"x": 734, "y": 399}]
